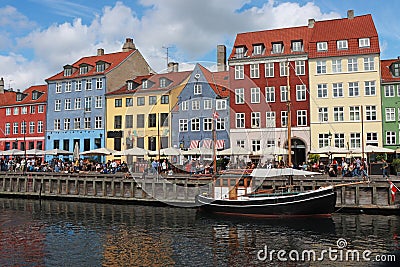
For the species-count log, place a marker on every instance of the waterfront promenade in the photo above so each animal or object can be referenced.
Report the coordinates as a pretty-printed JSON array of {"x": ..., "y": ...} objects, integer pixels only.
[{"x": 180, "y": 190}]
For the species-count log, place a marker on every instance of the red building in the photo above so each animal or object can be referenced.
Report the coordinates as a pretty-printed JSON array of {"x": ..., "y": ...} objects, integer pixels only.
[
  {"x": 259, "y": 65},
  {"x": 22, "y": 117}
]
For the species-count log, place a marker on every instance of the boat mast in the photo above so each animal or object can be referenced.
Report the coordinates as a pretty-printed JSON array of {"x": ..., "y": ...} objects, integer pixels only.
[
  {"x": 289, "y": 117},
  {"x": 214, "y": 117}
]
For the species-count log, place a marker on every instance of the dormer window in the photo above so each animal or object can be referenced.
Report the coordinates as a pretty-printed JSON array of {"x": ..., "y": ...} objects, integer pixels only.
[
  {"x": 145, "y": 84},
  {"x": 163, "y": 82},
  {"x": 83, "y": 69},
  {"x": 322, "y": 46},
  {"x": 363, "y": 42},
  {"x": 240, "y": 52},
  {"x": 258, "y": 49},
  {"x": 342, "y": 45},
  {"x": 395, "y": 68},
  {"x": 35, "y": 95},
  {"x": 100, "y": 66},
  {"x": 297, "y": 46},
  {"x": 67, "y": 71},
  {"x": 19, "y": 97},
  {"x": 277, "y": 48},
  {"x": 129, "y": 85}
]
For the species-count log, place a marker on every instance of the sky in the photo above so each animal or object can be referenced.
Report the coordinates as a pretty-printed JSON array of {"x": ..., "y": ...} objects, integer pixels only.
[{"x": 39, "y": 37}]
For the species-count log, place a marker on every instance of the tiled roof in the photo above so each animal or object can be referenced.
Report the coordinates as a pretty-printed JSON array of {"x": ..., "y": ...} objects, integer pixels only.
[
  {"x": 386, "y": 75},
  {"x": 10, "y": 97},
  {"x": 114, "y": 59},
  {"x": 219, "y": 81},
  {"x": 267, "y": 37}
]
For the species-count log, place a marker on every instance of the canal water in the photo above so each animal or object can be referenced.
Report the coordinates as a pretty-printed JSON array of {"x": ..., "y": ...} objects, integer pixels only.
[{"x": 55, "y": 233}]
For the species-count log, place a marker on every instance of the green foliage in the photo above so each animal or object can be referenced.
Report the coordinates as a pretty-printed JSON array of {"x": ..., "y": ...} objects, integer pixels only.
[
  {"x": 313, "y": 158},
  {"x": 396, "y": 164},
  {"x": 379, "y": 157}
]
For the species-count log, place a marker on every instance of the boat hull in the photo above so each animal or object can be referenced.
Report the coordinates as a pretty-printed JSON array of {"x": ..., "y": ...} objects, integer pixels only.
[{"x": 320, "y": 202}]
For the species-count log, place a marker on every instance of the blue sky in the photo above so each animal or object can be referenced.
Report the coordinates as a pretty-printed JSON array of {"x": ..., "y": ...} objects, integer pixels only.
[{"x": 41, "y": 36}]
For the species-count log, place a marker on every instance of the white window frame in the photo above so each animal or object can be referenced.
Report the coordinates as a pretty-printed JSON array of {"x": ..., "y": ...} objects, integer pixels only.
[
  {"x": 300, "y": 67},
  {"x": 197, "y": 89},
  {"x": 269, "y": 69},
  {"x": 270, "y": 119},
  {"x": 195, "y": 104},
  {"x": 240, "y": 120},
  {"x": 342, "y": 45},
  {"x": 370, "y": 88},
  {"x": 337, "y": 65},
  {"x": 352, "y": 65},
  {"x": 239, "y": 96},
  {"x": 302, "y": 117},
  {"x": 369, "y": 63},
  {"x": 322, "y": 90},
  {"x": 255, "y": 95},
  {"x": 338, "y": 114},
  {"x": 364, "y": 42},
  {"x": 255, "y": 120},
  {"x": 322, "y": 46},
  {"x": 301, "y": 92},
  {"x": 57, "y": 105},
  {"x": 270, "y": 94},
  {"x": 195, "y": 125},
  {"x": 254, "y": 71},
  {"x": 220, "y": 104},
  {"x": 239, "y": 72},
  {"x": 207, "y": 104},
  {"x": 354, "y": 89},
  {"x": 323, "y": 114},
  {"x": 283, "y": 93}
]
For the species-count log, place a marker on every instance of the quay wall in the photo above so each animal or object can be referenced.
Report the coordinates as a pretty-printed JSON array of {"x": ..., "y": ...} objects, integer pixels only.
[{"x": 180, "y": 191}]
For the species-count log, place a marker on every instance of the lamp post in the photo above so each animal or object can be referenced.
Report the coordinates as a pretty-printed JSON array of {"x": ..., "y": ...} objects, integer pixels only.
[{"x": 330, "y": 143}]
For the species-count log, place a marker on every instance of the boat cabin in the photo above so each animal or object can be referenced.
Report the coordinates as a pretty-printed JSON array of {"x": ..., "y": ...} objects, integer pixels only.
[{"x": 232, "y": 186}]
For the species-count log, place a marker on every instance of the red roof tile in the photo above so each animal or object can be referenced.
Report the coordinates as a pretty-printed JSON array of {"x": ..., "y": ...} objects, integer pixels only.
[
  {"x": 219, "y": 81},
  {"x": 386, "y": 75},
  {"x": 10, "y": 97}
]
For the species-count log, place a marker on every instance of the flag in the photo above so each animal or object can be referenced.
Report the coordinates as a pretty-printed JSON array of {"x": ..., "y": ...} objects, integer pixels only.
[
  {"x": 215, "y": 115},
  {"x": 393, "y": 190}
]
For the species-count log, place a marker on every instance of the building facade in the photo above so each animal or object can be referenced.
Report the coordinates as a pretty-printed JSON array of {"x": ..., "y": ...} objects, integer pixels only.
[{"x": 76, "y": 100}]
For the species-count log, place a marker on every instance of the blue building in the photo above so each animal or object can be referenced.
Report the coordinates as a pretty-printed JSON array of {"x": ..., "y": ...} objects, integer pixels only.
[
  {"x": 202, "y": 103},
  {"x": 76, "y": 96}
]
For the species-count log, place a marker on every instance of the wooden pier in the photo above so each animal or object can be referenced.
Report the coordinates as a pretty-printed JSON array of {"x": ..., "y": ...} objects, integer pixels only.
[{"x": 374, "y": 197}]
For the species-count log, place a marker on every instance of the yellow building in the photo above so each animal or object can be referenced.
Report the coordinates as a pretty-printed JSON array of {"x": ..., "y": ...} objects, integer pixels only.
[
  {"x": 344, "y": 77},
  {"x": 138, "y": 113}
]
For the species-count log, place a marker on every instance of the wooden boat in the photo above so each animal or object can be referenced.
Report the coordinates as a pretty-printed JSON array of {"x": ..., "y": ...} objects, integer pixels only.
[{"x": 233, "y": 195}]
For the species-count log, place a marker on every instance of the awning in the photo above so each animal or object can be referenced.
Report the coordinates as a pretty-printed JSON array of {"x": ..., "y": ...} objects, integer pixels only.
[
  {"x": 207, "y": 143},
  {"x": 220, "y": 144},
  {"x": 194, "y": 144}
]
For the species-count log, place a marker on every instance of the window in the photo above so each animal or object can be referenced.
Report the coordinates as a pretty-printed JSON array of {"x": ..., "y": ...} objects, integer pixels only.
[
  {"x": 220, "y": 104},
  {"x": 390, "y": 114},
  {"x": 195, "y": 104},
  {"x": 185, "y": 105},
  {"x": 16, "y": 111},
  {"x": 197, "y": 89},
  {"x": 40, "y": 127},
  {"x": 78, "y": 85},
  {"x": 152, "y": 120},
  {"x": 145, "y": 84},
  {"x": 336, "y": 65},
  {"x": 15, "y": 128},
  {"x": 302, "y": 118},
  {"x": 88, "y": 103},
  {"x": 207, "y": 104},
  {"x": 140, "y": 120},
  {"x": 23, "y": 127},
  {"x": 58, "y": 88},
  {"x": 100, "y": 67},
  {"x": 354, "y": 113},
  {"x": 164, "y": 99},
  {"x": 255, "y": 120},
  {"x": 321, "y": 67},
  {"x": 8, "y": 111},
  {"x": 395, "y": 69},
  {"x": 284, "y": 93},
  {"x": 338, "y": 114},
  {"x": 339, "y": 140},
  {"x": 99, "y": 83},
  {"x": 163, "y": 82},
  {"x": 323, "y": 140},
  {"x": 67, "y": 104},
  {"x": 40, "y": 108},
  {"x": 323, "y": 114},
  {"x": 24, "y": 110},
  {"x": 255, "y": 95},
  {"x": 300, "y": 67},
  {"x": 352, "y": 64},
  {"x": 269, "y": 69},
  {"x": 297, "y": 46},
  {"x": 342, "y": 45},
  {"x": 390, "y": 138},
  {"x": 239, "y": 52},
  {"x": 255, "y": 145},
  {"x": 284, "y": 118},
  {"x": 370, "y": 113},
  {"x": 57, "y": 105},
  {"x": 322, "y": 46},
  {"x": 301, "y": 92},
  {"x": 129, "y": 102},
  {"x": 195, "y": 125},
  {"x": 128, "y": 121},
  {"x": 98, "y": 102},
  {"x": 337, "y": 89},
  {"x": 67, "y": 72},
  {"x": 183, "y": 125},
  {"x": 389, "y": 91},
  {"x": 239, "y": 96},
  {"x": 270, "y": 119},
  {"x": 277, "y": 48},
  {"x": 372, "y": 139},
  {"x": 129, "y": 85},
  {"x": 354, "y": 89},
  {"x": 32, "y": 110},
  {"x": 152, "y": 100},
  {"x": 283, "y": 67},
  {"x": 68, "y": 86},
  {"x": 370, "y": 89},
  {"x": 67, "y": 124},
  {"x": 240, "y": 143},
  {"x": 98, "y": 122},
  {"x": 270, "y": 94},
  {"x": 118, "y": 102},
  {"x": 369, "y": 63},
  {"x": 118, "y": 122},
  {"x": 363, "y": 42},
  {"x": 164, "y": 122},
  {"x": 31, "y": 127},
  {"x": 322, "y": 90},
  {"x": 257, "y": 49},
  {"x": 220, "y": 124},
  {"x": 355, "y": 140},
  {"x": 83, "y": 69},
  {"x": 77, "y": 123},
  {"x": 240, "y": 120},
  {"x": 87, "y": 123},
  {"x": 77, "y": 104},
  {"x": 239, "y": 72},
  {"x": 254, "y": 71},
  {"x": 207, "y": 124},
  {"x": 140, "y": 101},
  {"x": 57, "y": 124}
]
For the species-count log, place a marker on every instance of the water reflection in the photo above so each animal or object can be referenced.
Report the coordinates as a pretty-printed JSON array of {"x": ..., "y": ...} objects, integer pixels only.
[{"x": 54, "y": 233}]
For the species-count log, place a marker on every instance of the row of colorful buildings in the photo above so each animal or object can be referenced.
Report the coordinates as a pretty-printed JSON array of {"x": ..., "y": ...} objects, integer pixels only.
[{"x": 329, "y": 73}]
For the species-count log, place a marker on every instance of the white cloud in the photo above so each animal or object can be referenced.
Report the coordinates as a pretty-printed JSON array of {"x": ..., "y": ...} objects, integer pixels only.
[{"x": 191, "y": 28}]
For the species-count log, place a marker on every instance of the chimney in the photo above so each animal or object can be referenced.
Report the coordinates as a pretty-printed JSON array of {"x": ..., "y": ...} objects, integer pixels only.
[
  {"x": 100, "y": 52},
  {"x": 173, "y": 66},
  {"x": 311, "y": 23},
  {"x": 350, "y": 14},
  {"x": 221, "y": 58},
  {"x": 128, "y": 45},
  {"x": 1, "y": 85}
]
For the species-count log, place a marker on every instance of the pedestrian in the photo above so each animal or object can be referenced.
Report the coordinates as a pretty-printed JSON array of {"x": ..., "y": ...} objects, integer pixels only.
[
  {"x": 385, "y": 168},
  {"x": 164, "y": 166},
  {"x": 364, "y": 170}
]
